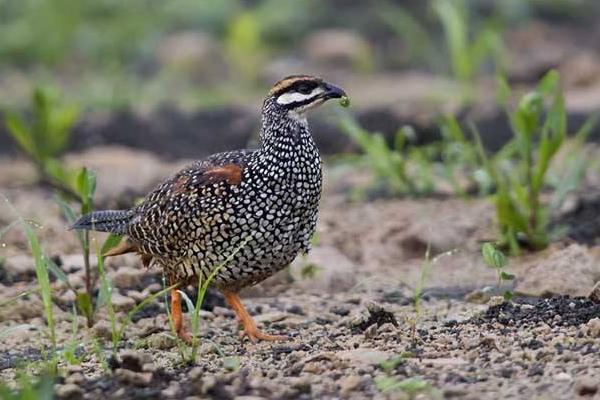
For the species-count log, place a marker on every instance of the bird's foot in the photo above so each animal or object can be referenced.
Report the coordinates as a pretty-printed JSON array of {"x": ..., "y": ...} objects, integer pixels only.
[
  {"x": 250, "y": 329},
  {"x": 255, "y": 334},
  {"x": 184, "y": 336}
]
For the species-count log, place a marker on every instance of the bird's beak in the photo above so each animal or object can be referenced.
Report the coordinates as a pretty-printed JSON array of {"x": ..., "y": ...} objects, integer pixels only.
[{"x": 333, "y": 92}]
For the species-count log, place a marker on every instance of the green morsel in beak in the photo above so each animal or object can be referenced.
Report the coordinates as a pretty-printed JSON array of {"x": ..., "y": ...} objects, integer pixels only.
[{"x": 345, "y": 101}]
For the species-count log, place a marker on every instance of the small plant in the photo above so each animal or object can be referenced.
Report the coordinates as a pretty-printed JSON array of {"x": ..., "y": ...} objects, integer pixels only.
[
  {"x": 466, "y": 54},
  {"x": 519, "y": 169},
  {"x": 418, "y": 170},
  {"x": 45, "y": 138},
  {"x": 426, "y": 266},
  {"x": 194, "y": 309},
  {"x": 105, "y": 295},
  {"x": 85, "y": 187},
  {"x": 391, "y": 164},
  {"x": 411, "y": 386},
  {"x": 29, "y": 388},
  {"x": 494, "y": 258},
  {"x": 41, "y": 263},
  {"x": 469, "y": 43}
]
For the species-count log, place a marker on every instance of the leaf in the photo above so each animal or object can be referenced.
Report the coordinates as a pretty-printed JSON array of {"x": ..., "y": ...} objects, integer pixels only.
[
  {"x": 85, "y": 305},
  {"x": 57, "y": 272},
  {"x": 505, "y": 276},
  {"x": 508, "y": 295},
  {"x": 21, "y": 134},
  {"x": 549, "y": 83},
  {"x": 41, "y": 271},
  {"x": 111, "y": 241},
  {"x": 59, "y": 130},
  {"x": 503, "y": 90},
  {"x": 231, "y": 363},
  {"x": 188, "y": 302},
  {"x": 86, "y": 186},
  {"x": 493, "y": 257},
  {"x": 391, "y": 364},
  {"x": 70, "y": 216}
]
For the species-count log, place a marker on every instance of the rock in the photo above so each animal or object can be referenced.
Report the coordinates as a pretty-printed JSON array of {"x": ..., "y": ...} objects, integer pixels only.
[
  {"x": 68, "y": 296},
  {"x": 133, "y": 378},
  {"x": 171, "y": 392},
  {"x": 479, "y": 296},
  {"x": 77, "y": 378},
  {"x": 375, "y": 315},
  {"x": 134, "y": 360},
  {"x": 325, "y": 269},
  {"x": 128, "y": 277},
  {"x": 563, "y": 377},
  {"x": 76, "y": 281},
  {"x": 587, "y": 386},
  {"x": 19, "y": 268},
  {"x": 581, "y": 70},
  {"x": 338, "y": 48},
  {"x": 69, "y": 391},
  {"x": 74, "y": 262},
  {"x": 592, "y": 328},
  {"x": 595, "y": 293},
  {"x": 571, "y": 271},
  {"x": 362, "y": 356},
  {"x": 349, "y": 384},
  {"x": 121, "y": 303},
  {"x": 161, "y": 341},
  {"x": 441, "y": 233},
  {"x": 102, "y": 329}
]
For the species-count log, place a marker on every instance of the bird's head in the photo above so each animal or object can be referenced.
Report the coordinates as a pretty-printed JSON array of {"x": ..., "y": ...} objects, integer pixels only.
[{"x": 297, "y": 94}]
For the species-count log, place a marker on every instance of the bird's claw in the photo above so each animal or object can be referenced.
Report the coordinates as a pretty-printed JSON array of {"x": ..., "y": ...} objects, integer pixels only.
[
  {"x": 256, "y": 334},
  {"x": 184, "y": 336}
]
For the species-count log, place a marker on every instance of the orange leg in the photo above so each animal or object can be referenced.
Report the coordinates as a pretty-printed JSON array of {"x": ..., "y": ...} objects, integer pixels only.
[
  {"x": 250, "y": 328},
  {"x": 178, "y": 316}
]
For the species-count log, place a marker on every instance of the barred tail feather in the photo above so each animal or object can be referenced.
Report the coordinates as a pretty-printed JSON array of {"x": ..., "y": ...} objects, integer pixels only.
[{"x": 114, "y": 221}]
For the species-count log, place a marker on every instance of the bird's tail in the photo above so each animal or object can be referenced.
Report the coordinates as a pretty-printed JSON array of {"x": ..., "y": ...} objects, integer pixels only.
[{"x": 114, "y": 221}]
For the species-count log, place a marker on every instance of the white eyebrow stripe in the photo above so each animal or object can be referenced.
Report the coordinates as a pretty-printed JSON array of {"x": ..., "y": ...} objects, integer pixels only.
[{"x": 294, "y": 97}]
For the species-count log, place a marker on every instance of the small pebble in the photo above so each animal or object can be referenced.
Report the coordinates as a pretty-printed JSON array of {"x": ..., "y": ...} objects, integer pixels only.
[
  {"x": 69, "y": 391},
  {"x": 563, "y": 377}
]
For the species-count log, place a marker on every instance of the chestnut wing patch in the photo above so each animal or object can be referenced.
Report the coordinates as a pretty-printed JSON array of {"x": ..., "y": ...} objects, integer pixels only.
[{"x": 230, "y": 173}]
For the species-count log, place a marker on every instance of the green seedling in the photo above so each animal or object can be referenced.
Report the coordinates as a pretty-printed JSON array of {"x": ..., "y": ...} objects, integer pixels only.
[
  {"x": 105, "y": 296},
  {"x": 494, "y": 258},
  {"x": 411, "y": 386},
  {"x": 29, "y": 388},
  {"x": 85, "y": 187},
  {"x": 417, "y": 170},
  {"x": 231, "y": 363},
  {"x": 519, "y": 170},
  {"x": 390, "y": 365},
  {"x": 470, "y": 43},
  {"x": 45, "y": 138},
  {"x": 426, "y": 266},
  {"x": 202, "y": 289}
]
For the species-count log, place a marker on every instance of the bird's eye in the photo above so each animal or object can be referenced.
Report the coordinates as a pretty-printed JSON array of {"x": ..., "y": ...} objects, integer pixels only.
[{"x": 304, "y": 89}]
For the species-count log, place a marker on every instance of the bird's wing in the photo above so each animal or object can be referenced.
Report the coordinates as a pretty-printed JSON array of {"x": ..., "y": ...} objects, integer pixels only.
[{"x": 184, "y": 208}]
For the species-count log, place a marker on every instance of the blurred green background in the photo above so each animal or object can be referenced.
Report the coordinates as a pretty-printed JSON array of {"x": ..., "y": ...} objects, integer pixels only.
[{"x": 111, "y": 54}]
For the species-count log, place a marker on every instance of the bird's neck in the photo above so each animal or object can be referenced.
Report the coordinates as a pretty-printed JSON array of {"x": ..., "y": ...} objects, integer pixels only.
[{"x": 285, "y": 133}]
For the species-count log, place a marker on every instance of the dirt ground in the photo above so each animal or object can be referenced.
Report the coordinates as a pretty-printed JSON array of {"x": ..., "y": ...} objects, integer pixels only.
[{"x": 347, "y": 307}]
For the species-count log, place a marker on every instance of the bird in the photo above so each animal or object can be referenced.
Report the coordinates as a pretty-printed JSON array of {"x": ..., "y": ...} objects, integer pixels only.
[{"x": 247, "y": 212}]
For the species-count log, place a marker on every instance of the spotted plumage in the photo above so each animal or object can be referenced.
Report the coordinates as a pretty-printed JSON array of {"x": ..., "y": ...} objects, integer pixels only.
[{"x": 262, "y": 203}]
